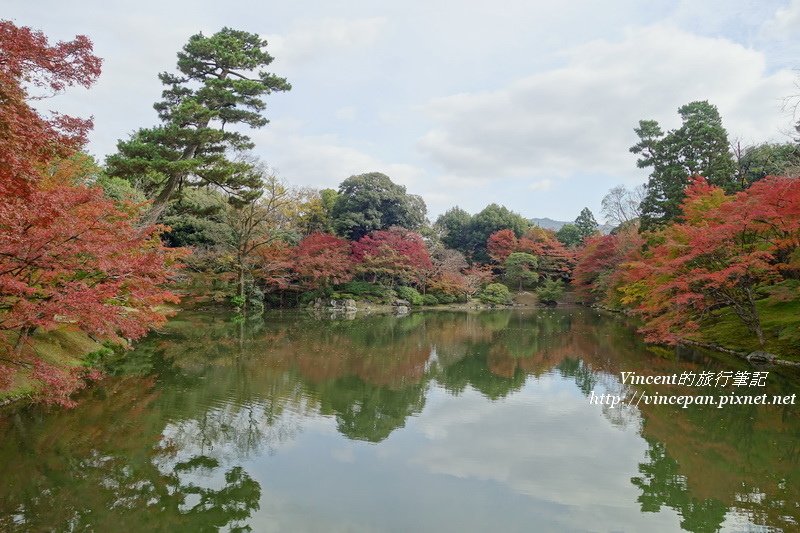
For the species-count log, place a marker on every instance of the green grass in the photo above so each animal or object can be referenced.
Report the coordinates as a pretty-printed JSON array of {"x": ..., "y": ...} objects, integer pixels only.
[{"x": 780, "y": 322}]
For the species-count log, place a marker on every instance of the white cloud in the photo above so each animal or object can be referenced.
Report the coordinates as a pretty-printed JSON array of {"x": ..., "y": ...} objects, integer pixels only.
[
  {"x": 533, "y": 92},
  {"x": 544, "y": 455},
  {"x": 541, "y": 185},
  {"x": 785, "y": 22},
  {"x": 313, "y": 39},
  {"x": 323, "y": 160},
  {"x": 580, "y": 117}
]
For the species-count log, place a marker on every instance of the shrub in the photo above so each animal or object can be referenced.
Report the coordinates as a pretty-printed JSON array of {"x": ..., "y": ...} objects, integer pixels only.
[
  {"x": 309, "y": 296},
  {"x": 410, "y": 294},
  {"x": 363, "y": 290},
  {"x": 551, "y": 291},
  {"x": 430, "y": 299},
  {"x": 495, "y": 293},
  {"x": 445, "y": 298}
]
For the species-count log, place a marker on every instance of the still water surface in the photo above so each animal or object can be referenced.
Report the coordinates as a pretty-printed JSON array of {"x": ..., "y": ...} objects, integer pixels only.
[{"x": 437, "y": 421}]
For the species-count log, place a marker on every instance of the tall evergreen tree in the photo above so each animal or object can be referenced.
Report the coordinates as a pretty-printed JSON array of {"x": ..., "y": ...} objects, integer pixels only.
[
  {"x": 220, "y": 83},
  {"x": 586, "y": 224},
  {"x": 699, "y": 147}
]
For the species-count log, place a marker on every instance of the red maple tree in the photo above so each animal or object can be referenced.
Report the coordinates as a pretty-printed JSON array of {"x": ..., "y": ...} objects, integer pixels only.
[
  {"x": 393, "y": 255},
  {"x": 322, "y": 260},
  {"x": 598, "y": 273},
  {"x": 274, "y": 266},
  {"x": 69, "y": 257},
  {"x": 27, "y": 139},
  {"x": 555, "y": 260},
  {"x": 725, "y": 253},
  {"x": 501, "y": 244}
]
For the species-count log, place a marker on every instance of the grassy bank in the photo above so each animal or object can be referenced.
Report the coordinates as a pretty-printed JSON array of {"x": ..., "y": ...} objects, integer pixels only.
[
  {"x": 64, "y": 348},
  {"x": 780, "y": 322}
]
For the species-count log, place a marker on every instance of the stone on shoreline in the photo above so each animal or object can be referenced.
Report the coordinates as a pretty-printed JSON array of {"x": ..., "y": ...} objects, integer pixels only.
[{"x": 761, "y": 357}]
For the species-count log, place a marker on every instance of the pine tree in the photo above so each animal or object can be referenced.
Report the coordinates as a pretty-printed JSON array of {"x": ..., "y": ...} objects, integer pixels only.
[
  {"x": 699, "y": 147},
  {"x": 586, "y": 224},
  {"x": 220, "y": 83}
]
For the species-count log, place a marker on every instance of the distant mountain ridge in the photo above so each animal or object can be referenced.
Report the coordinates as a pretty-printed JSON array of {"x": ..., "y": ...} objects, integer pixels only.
[
  {"x": 548, "y": 223},
  {"x": 555, "y": 225}
]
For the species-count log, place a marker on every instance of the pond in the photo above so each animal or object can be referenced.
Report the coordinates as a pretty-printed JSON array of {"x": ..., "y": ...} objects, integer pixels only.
[{"x": 435, "y": 421}]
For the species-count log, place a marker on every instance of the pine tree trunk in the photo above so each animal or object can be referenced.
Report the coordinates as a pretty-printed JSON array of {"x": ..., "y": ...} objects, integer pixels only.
[
  {"x": 240, "y": 282},
  {"x": 160, "y": 202}
]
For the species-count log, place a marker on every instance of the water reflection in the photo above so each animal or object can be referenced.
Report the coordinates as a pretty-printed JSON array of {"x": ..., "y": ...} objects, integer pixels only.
[{"x": 295, "y": 423}]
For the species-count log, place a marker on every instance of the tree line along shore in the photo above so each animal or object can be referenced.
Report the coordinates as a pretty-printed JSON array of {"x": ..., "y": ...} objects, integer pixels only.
[{"x": 93, "y": 255}]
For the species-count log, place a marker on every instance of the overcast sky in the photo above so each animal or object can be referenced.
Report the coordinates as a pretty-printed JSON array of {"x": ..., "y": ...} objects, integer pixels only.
[{"x": 530, "y": 104}]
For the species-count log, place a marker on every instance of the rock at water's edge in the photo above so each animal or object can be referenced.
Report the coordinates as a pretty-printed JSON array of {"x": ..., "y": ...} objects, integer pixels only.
[{"x": 761, "y": 357}]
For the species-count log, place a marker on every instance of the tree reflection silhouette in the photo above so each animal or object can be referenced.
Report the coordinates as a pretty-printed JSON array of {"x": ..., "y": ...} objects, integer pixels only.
[
  {"x": 368, "y": 412},
  {"x": 166, "y": 451},
  {"x": 662, "y": 485},
  {"x": 103, "y": 493},
  {"x": 473, "y": 370}
]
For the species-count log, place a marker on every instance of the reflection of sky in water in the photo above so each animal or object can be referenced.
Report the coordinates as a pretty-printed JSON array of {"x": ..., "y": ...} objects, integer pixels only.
[
  {"x": 541, "y": 459},
  {"x": 354, "y": 426}
]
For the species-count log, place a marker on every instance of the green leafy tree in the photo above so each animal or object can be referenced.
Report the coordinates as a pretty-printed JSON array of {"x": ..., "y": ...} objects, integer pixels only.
[
  {"x": 327, "y": 198},
  {"x": 768, "y": 159},
  {"x": 119, "y": 189},
  {"x": 569, "y": 235},
  {"x": 521, "y": 268},
  {"x": 699, "y": 147},
  {"x": 220, "y": 84},
  {"x": 369, "y": 202},
  {"x": 586, "y": 224},
  {"x": 313, "y": 210},
  {"x": 452, "y": 226},
  {"x": 493, "y": 218},
  {"x": 468, "y": 233}
]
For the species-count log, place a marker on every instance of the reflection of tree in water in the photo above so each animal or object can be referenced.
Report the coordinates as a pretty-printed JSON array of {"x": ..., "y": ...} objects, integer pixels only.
[
  {"x": 583, "y": 375},
  {"x": 523, "y": 337},
  {"x": 233, "y": 431},
  {"x": 587, "y": 380},
  {"x": 113, "y": 493},
  {"x": 228, "y": 390},
  {"x": 744, "y": 456},
  {"x": 208, "y": 509},
  {"x": 368, "y": 412},
  {"x": 496, "y": 320},
  {"x": 164, "y": 460},
  {"x": 374, "y": 332},
  {"x": 662, "y": 485},
  {"x": 473, "y": 370}
]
